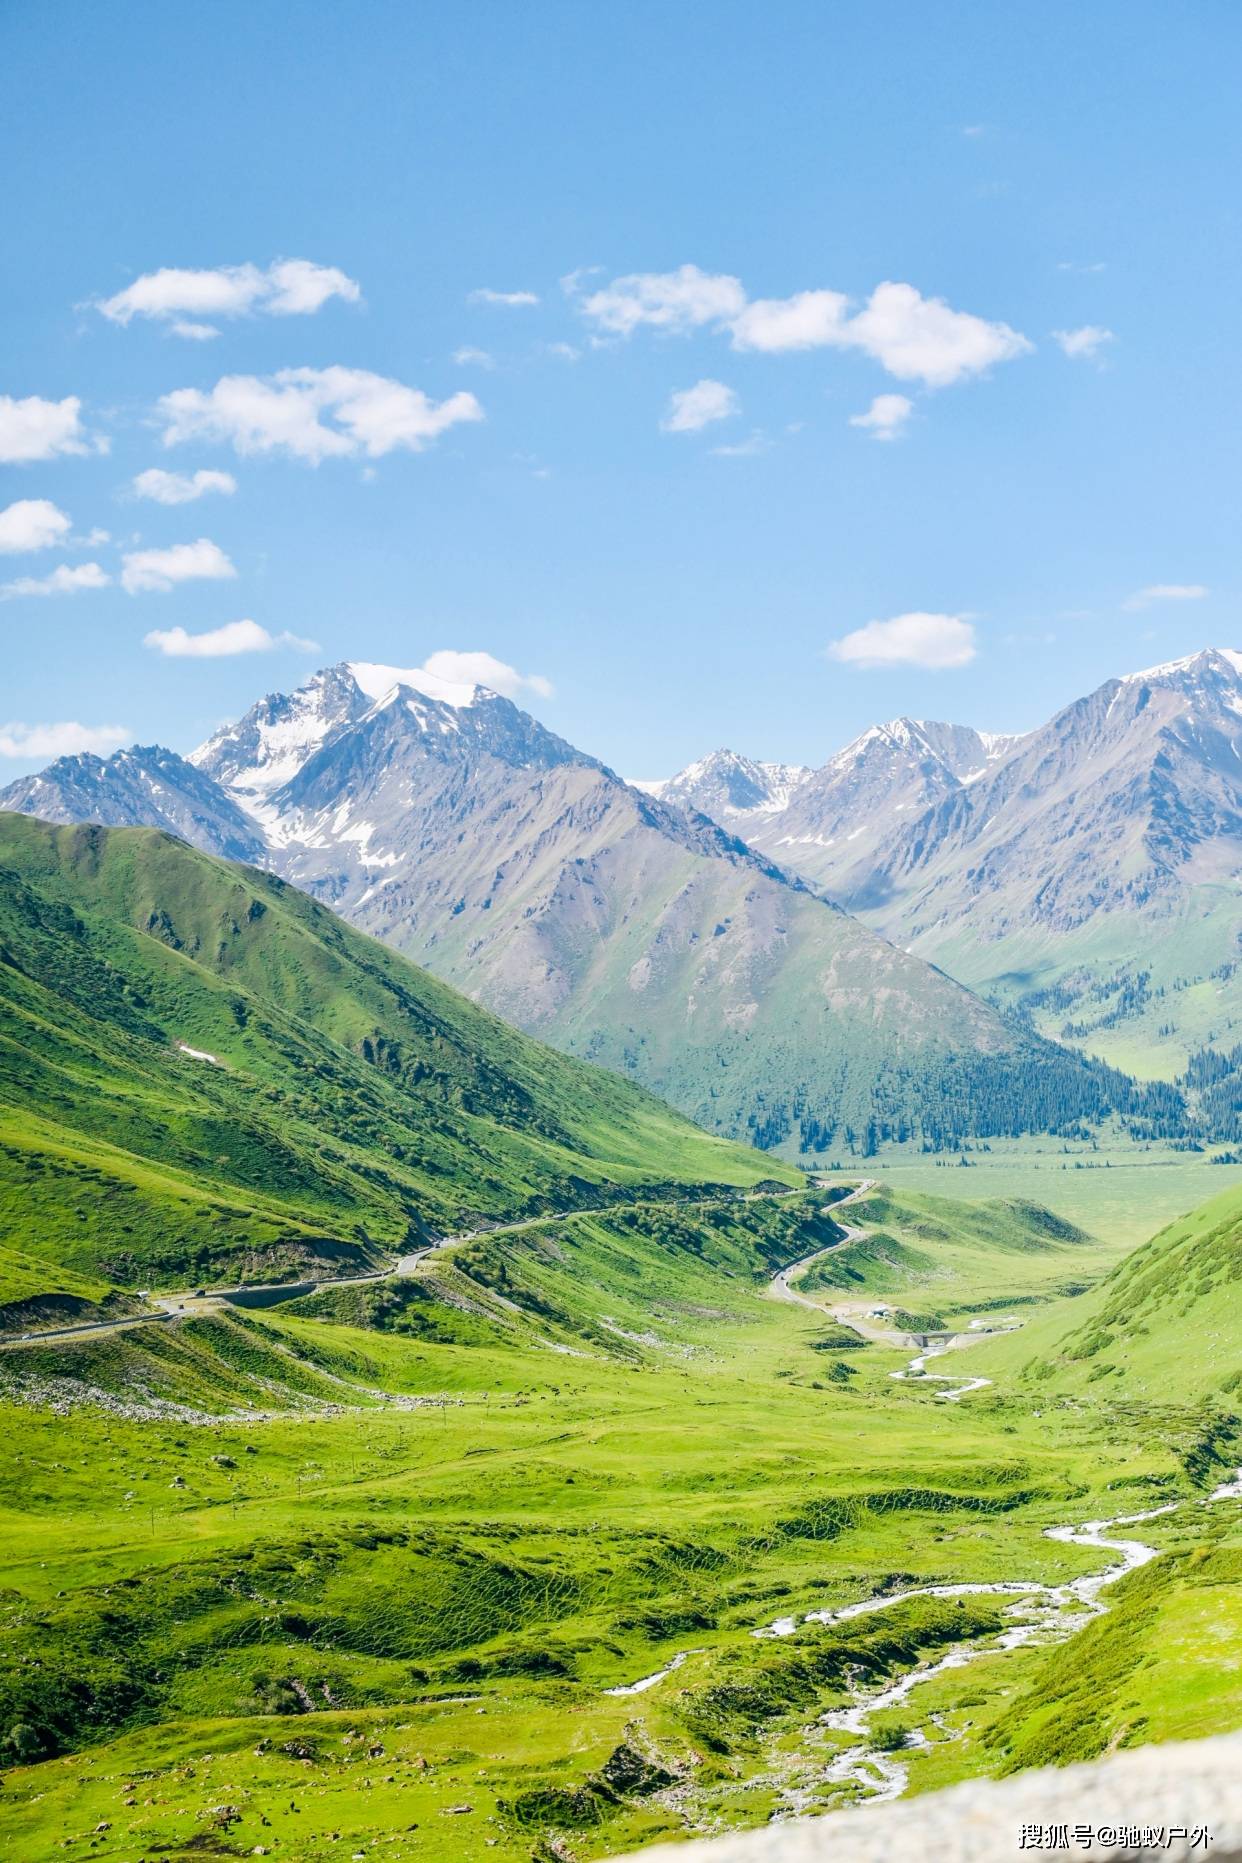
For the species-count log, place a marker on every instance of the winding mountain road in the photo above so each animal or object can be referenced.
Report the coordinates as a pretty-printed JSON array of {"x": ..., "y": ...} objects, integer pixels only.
[
  {"x": 779, "y": 1285},
  {"x": 780, "y": 1289},
  {"x": 194, "y": 1303}
]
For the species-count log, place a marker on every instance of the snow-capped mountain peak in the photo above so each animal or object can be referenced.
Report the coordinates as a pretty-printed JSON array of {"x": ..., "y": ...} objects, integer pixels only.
[
  {"x": 377, "y": 681},
  {"x": 725, "y": 785},
  {"x": 1223, "y": 662},
  {"x": 274, "y": 740}
]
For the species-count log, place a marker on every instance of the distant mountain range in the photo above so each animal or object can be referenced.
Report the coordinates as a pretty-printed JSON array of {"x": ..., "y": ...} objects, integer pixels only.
[
  {"x": 830, "y": 823},
  {"x": 633, "y": 929},
  {"x": 1089, "y": 871}
]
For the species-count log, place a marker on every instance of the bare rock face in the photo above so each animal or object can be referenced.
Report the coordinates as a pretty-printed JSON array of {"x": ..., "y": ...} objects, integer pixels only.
[
  {"x": 1123, "y": 800},
  {"x": 618, "y": 926},
  {"x": 1152, "y": 1794},
  {"x": 277, "y": 735},
  {"x": 1088, "y": 871},
  {"x": 844, "y": 813}
]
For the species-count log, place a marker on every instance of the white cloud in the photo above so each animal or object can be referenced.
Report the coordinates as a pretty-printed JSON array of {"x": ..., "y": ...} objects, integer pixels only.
[
  {"x": 689, "y": 409},
  {"x": 924, "y": 339},
  {"x": 299, "y": 288},
  {"x": 675, "y": 301},
  {"x": 565, "y": 351},
  {"x": 1084, "y": 343},
  {"x": 227, "y": 291},
  {"x": 808, "y": 320},
  {"x": 912, "y": 337},
  {"x": 467, "y": 355},
  {"x": 512, "y": 300},
  {"x": 281, "y": 413},
  {"x": 62, "y": 581},
  {"x": 202, "y": 561},
  {"x": 31, "y": 524},
  {"x": 886, "y": 418},
  {"x": 60, "y": 740},
  {"x": 288, "y": 288},
  {"x": 182, "y": 488},
  {"x": 1166, "y": 592},
  {"x": 36, "y": 429},
  {"x": 483, "y": 669},
  {"x": 934, "y": 641},
  {"x": 219, "y": 642}
]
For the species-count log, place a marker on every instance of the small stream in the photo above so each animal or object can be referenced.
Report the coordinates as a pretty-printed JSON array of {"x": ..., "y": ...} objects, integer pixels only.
[
  {"x": 1051, "y": 1613},
  {"x": 917, "y": 1368},
  {"x": 649, "y": 1681}
]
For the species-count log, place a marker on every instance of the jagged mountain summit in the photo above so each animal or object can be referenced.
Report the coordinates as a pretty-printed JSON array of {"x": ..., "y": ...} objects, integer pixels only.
[
  {"x": 733, "y": 790},
  {"x": 827, "y": 824},
  {"x": 277, "y": 735},
  {"x": 1095, "y": 869},
  {"x": 1123, "y": 801},
  {"x": 459, "y": 829}
]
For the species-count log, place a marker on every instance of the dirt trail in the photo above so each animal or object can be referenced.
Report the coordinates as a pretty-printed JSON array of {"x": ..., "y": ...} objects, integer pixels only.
[{"x": 858, "y": 1315}]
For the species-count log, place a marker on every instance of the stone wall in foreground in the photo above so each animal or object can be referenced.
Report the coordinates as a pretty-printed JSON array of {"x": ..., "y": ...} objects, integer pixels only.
[{"x": 1161, "y": 1790}]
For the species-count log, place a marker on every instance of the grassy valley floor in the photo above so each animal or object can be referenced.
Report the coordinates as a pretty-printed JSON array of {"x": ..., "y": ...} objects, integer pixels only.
[
  {"x": 1120, "y": 1193},
  {"x": 382, "y": 1570}
]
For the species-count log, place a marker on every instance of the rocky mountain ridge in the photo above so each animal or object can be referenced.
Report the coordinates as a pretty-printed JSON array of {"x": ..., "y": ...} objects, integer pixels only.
[
  {"x": 710, "y": 958},
  {"x": 619, "y": 927},
  {"x": 1090, "y": 865}
]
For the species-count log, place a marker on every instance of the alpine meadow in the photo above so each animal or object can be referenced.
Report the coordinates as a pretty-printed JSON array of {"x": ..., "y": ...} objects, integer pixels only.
[{"x": 568, "y": 1292}]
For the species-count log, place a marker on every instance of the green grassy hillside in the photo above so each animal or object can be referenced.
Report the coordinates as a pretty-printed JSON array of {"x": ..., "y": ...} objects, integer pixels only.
[
  {"x": 1141, "y": 993},
  {"x": 339, "y": 1103},
  {"x": 1167, "y": 1320},
  {"x": 943, "y": 1258},
  {"x": 408, "y": 1590}
]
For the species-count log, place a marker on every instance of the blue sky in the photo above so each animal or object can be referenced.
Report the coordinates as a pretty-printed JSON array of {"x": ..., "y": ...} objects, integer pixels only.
[{"x": 676, "y": 570}]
